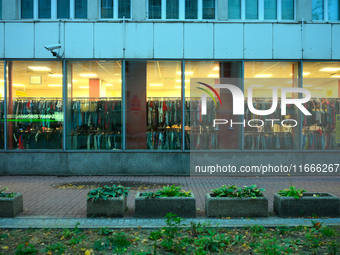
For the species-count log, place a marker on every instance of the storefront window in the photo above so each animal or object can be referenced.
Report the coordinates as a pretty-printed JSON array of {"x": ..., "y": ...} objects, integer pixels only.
[
  {"x": 201, "y": 93},
  {"x": 321, "y": 130},
  {"x": 94, "y": 105},
  {"x": 275, "y": 130},
  {"x": 35, "y": 109},
  {"x": 2, "y": 106},
  {"x": 153, "y": 105}
]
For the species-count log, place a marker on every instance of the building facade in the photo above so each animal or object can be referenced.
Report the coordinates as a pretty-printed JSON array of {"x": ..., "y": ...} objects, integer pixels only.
[{"x": 113, "y": 87}]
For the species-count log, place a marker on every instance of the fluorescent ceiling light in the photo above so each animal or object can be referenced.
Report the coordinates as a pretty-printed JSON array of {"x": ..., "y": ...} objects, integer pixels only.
[
  {"x": 120, "y": 80},
  {"x": 2, "y": 80},
  {"x": 156, "y": 85},
  {"x": 329, "y": 69},
  {"x": 305, "y": 73},
  {"x": 39, "y": 68},
  {"x": 88, "y": 75},
  {"x": 84, "y": 87},
  {"x": 263, "y": 75},
  {"x": 181, "y": 80},
  {"x": 74, "y": 81},
  {"x": 256, "y": 86},
  {"x": 55, "y": 75},
  {"x": 179, "y": 87},
  {"x": 108, "y": 85},
  {"x": 19, "y": 85},
  {"x": 216, "y": 68},
  {"x": 117, "y": 74},
  {"x": 214, "y": 75},
  {"x": 332, "y": 76},
  {"x": 318, "y": 88},
  {"x": 307, "y": 86},
  {"x": 55, "y": 85},
  {"x": 186, "y": 73}
]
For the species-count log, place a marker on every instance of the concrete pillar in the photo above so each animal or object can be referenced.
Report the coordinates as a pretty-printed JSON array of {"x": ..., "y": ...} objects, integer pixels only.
[
  {"x": 93, "y": 9},
  {"x": 10, "y": 9},
  {"x": 304, "y": 10},
  {"x": 139, "y": 11},
  {"x": 222, "y": 10}
]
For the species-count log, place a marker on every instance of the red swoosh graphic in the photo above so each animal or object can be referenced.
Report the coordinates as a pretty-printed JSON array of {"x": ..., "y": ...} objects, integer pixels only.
[{"x": 212, "y": 89}]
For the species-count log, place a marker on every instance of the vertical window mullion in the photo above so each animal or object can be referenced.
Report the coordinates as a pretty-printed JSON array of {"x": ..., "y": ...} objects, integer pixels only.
[
  {"x": 199, "y": 9},
  {"x": 181, "y": 9},
  {"x": 325, "y": 10},
  {"x": 163, "y": 9},
  {"x": 261, "y": 9},
  {"x": 72, "y": 9},
  {"x": 35, "y": 9},
  {"x": 115, "y": 9},
  {"x": 54, "y": 9},
  {"x": 279, "y": 10},
  {"x": 243, "y": 9}
]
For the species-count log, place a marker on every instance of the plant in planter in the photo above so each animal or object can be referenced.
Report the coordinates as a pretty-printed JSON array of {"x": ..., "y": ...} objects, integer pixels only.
[
  {"x": 170, "y": 199},
  {"x": 294, "y": 202},
  {"x": 107, "y": 201},
  {"x": 236, "y": 202},
  {"x": 11, "y": 204}
]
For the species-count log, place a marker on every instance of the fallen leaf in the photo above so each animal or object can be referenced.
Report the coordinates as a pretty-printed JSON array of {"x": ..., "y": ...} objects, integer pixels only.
[{"x": 4, "y": 247}]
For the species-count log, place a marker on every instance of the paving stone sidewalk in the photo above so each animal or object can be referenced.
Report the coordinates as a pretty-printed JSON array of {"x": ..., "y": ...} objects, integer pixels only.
[{"x": 44, "y": 204}]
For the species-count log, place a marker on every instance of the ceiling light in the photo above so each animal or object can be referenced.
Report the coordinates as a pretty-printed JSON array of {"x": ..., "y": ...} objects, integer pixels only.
[
  {"x": 329, "y": 69},
  {"x": 109, "y": 85},
  {"x": 84, "y": 87},
  {"x": 289, "y": 82},
  {"x": 181, "y": 80},
  {"x": 74, "y": 81},
  {"x": 39, "y": 68},
  {"x": 117, "y": 74},
  {"x": 214, "y": 75},
  {"x": 2, "y": 80},
  {"x": 179, "y": 87},
  {"x": 318, "y": 88},
  {"x": 305, "y": 73},
  {"x": 19, "y": 85},
  {"x": 216, "y": 68},
  {"x": 256, "y": 86},
  {"x": 55, "y": 85},
  {"x": 156, "y": 85},
  {"x": 186, "y": 73},
  {"x": 332, "y": 76},
  {"x": 307, "y": 86},
  {"x": 88, "y": 75},
  {"x": 55, "y": 75},
  {"x": 263, "y": 75}
]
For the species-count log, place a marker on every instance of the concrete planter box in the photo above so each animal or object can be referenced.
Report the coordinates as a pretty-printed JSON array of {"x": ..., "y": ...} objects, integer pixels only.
[
  {"x": 11, "y": 207},
  {"x": 235, "y": 207},
  {"x": 112, "y": 207},
  {"x": 326, "y": 205},
  {"x": 158, "y": 207}
]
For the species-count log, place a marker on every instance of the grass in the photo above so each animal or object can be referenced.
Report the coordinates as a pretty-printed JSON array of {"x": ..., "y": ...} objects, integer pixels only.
[{"x": 174, "y": 239}]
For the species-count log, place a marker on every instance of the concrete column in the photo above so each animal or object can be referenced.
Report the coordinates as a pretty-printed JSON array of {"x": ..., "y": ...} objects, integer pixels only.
[
  {"x": 139, "y": 10},
  {"x": 10, "y": 9},
  {"x": 304, "y": 10},
  {"x": 222, "y": 10},
  {"x": 93, "y": 10}
]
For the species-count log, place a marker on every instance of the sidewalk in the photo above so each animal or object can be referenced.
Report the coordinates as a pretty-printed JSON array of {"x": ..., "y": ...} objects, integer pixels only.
[{"x": 47, "y": 197}]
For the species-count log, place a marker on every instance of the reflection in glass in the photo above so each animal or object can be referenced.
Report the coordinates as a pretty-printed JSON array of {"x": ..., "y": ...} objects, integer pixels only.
[
  {"x": 172, "y": 9},
  {"x": 333, "y": 9},
  {"x": 27, "y": 9},
  {"x": 2, "y": 109},
  {"x": 317, "y": 9},
  {"x": 260, "y": 133},
  {"x": 155, "y": 9},
  {"x": 191, "y": 9},
  {"x": 251, "y": 9},
  {"x": 44, "y": 9},
  {"x": 322, "y": 79},
  {"x": 208, "y": 9},
  {"x": 234, "y": 9},
  {"x": 80, "y": 9},
  {"x": 270, "y": 9},
  {"x": 95, "y": 105},
  {"x": 287, "y": 9},
  {"x": 124, "y": 9},
  {"x": 106, "y": 9},
  {"x": 63, "y": 9},
  {"x": 35, "y": 109}
]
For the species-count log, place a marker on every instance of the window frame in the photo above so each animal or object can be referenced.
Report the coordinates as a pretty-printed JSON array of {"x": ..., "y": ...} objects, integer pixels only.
[
  {"x": 325, "y": 13},
  {"x": 181, "y": 11},
  {"x": 115, "y": 11},
  {"x": 260, "y": 12}
]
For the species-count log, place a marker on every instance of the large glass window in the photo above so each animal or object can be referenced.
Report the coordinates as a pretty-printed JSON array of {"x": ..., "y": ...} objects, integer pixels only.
[
  {"x": 321, "y": 130},
  {"x": 153, "y": 105},
  {"x": 2, "y": 106},
  {"x": 251, "y": 9},
  {"x": 333, "y": 9},
  {"x": 208, "y": 9},
  {"x": 204, "y": 102},
  {"x": 0, "y": 9},
  {"x": 191, "y": 9},
  {"x": 317, "y": 9},
  {"x": 63, "y": 9},
  {"x": 287, "y": 9},
  {"x": 270, "y": 9},
  {"x": 106, "y": 9},
  {"x": 275, "y": 130},
  {"x": 35, "y": 109},
  {"x": 172, "y": 9},
  {"x": 80, "y": 9},
  {"x": 44, "y": 9},
  {"x": 234, "y": 9},
  {"x": 27, "y": 9},
  {"x": 155, "y": 9},
  {"x": 124, "y": 9},
  {"x": 94, "y": 103}
]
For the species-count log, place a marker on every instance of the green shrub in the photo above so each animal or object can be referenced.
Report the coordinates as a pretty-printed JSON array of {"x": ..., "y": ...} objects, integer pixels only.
[
  {"x": 233, "y": 191},
  {"x": 106, "y": 192},
  {"x": 292, "y": 192},
  {"x": 169, "y": 191},
  {"x": 3, "y": 194}
]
